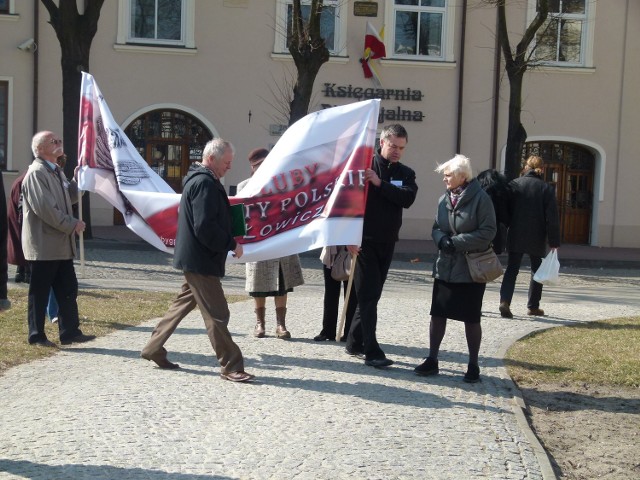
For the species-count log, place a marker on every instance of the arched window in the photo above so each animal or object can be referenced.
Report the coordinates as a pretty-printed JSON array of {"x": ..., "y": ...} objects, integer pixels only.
[{"x": 169, "y": 140}]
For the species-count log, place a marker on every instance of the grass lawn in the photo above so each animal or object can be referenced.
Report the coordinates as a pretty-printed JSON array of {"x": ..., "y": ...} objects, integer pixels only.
[
  {"x": 101, "y": 312},
  {"x": 599, "y": 353}
]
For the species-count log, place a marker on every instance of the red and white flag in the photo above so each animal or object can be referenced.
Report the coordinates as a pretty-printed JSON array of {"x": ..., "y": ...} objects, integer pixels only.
[
  {"x": 112, "y": 167},
  {"x": 373, "y": 49},
  {"x": 308, "y": 193}
]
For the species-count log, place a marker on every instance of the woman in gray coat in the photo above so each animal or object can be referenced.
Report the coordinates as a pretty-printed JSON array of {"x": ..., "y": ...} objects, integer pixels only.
[
  {"x": 465, "y": 222},
  {"x": 534, "y": 222},
  {"x": 270, "y": 278}
]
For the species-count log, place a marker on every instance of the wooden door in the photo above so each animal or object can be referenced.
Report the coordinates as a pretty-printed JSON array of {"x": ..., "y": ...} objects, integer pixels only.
[
  {"x": 576, "y": 212},
  {"x": 569, "y": 168},
  {"x": 169, "y": 161}
]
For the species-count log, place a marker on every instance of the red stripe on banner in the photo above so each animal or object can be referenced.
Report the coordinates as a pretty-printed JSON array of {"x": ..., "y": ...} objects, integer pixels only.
[
  {"x": 288, "y": 203},
  {"x": 87, "y": 134},
  {"x": 165, "y": 224}
]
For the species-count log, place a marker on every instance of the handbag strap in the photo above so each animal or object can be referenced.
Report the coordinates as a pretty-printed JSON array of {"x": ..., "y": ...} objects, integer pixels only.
[{"x": 451, "y": 224}]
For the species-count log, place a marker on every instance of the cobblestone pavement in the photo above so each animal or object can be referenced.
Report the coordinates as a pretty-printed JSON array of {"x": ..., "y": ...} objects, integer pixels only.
[{"x": 98, "y": 411}]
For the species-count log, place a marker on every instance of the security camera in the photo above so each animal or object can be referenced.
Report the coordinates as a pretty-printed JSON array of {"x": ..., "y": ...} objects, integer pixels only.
[{"x": 28, "y": 45}]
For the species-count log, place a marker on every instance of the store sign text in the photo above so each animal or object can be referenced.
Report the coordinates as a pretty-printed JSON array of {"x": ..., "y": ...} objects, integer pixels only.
[{"x": 395, "y": 114}]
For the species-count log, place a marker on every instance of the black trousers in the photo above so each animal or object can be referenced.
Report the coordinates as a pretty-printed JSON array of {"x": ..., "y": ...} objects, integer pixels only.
[
  {"x": 511, "y": 274},
  {"x": 332, "y": 305},
  {"x": 61, "y": 276},
  {"x": 371, "y": 272}
]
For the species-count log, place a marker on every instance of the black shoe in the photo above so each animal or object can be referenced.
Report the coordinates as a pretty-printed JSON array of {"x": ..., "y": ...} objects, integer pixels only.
[
  {"x": 473, "y": 374},
  {"x": 323, "y": 338},
  {"x": 19, "y": 277},
  {"x": 44, "y": 343},
  {"x": 82, "y": 338},
  {"x": 343, "y": 338},
  {"x": 379, "y": 362},
  {"x": 354, "y": 353},
  {"x": 5, "y": 304},
  {"x": 428, "y": 367},
  {"x": 505, "y": 310}
]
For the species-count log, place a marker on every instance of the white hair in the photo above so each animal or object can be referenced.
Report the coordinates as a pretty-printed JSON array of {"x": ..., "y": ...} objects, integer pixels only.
[
  {"x": 458, "y": 165},
  {"x": 215, "y": 148},
  {"x": 37, "y": 140}
]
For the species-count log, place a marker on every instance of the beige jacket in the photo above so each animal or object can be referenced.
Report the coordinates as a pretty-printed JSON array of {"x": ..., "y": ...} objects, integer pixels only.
[
  {"x": 263, "y": 276},
  {"x": 48, "y": 225}
]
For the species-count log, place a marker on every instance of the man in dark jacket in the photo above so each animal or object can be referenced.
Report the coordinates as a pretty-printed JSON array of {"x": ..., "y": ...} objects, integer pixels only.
[
  {"x": 203, "y": 241},
  {"x": 392, "y": 187}
]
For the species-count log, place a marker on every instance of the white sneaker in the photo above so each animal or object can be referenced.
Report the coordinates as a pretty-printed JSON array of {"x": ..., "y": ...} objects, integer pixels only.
[{"x": 54, "y": 320}]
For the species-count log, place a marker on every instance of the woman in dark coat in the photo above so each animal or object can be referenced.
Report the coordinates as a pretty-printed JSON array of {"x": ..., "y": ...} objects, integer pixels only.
[
  {"x": 465, "y": 222},
  {"x": 534, "y": 223},
  {"x": 497, "y": 187},
  {"x": 14, "y": 241}
]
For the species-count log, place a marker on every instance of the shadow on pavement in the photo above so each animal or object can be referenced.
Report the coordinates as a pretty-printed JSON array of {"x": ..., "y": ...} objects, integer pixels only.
[{"x": 35, "y": 470}]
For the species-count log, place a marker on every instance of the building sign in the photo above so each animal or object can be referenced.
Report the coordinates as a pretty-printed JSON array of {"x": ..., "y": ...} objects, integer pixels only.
[
  {"x": 365, "y": 9},
  {"x": 387, "y": 113},
  {"x": 276, "y": 129}
]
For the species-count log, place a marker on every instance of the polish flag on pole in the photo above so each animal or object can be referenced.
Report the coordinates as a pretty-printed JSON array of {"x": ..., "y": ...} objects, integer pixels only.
[
  {"x": 373, "y": 49},
  {"x": 308, "y": 193}
]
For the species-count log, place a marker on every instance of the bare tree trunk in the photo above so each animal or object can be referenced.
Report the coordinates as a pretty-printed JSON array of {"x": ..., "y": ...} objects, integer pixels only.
[
  {"x": 75, "y": 33},
  {"x": 4, "y": 227},
  {"x": 309, "y": 53},
  {"x": 516, "y": 64},
  {"x": 516, "y": 133}
]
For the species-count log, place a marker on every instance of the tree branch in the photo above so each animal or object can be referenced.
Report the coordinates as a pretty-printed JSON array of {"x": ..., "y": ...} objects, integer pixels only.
[
  {"x": 534, "y": 26},
  {"x": 54, "y": 13}
]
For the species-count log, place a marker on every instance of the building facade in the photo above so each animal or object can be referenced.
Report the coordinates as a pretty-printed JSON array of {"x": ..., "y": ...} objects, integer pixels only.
[{"x": 176, "y": 73}]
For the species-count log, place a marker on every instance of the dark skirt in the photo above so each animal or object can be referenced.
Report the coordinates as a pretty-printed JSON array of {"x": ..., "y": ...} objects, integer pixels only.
[{"x": 457, "y": 301}]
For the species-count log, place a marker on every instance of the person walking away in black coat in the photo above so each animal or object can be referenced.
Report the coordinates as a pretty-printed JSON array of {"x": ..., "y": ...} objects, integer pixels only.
[
  {"x": 534, "y": 226},
  {"x": 496, "y": 185}
]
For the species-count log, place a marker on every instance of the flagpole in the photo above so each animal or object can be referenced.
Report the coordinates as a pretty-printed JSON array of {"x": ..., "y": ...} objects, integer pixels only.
[
  {"x": 80, "y": 193},
  {"x": 343, "y": 316}
]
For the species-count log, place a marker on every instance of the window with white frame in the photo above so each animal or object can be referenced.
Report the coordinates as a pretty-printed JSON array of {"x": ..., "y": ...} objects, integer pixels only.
[
  {"x": 332, "y": 24},
  {"x": 419, "y": 29},
  {"x": 566, "y": 38},
  {"x": 157, "y": 21},
  {"x": 165, "y": 23}
]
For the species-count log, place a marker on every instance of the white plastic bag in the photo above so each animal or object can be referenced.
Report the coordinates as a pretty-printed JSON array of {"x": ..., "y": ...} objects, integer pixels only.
[{"x": 549, "y": 271}]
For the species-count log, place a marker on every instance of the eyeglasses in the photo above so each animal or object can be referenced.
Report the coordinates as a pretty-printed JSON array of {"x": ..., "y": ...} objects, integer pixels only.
[{"x": 56, "y": 141}]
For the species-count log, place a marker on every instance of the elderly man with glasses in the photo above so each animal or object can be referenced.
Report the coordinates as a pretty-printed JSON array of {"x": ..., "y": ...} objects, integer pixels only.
[{"x": 48, "y": 241}]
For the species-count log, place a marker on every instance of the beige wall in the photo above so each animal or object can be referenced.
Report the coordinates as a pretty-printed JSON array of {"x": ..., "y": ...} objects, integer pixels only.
[{"x": 234, "y": 72}]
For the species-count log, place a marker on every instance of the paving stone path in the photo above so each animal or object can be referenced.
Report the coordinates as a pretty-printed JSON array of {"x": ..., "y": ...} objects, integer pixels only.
[{"x": 97, "y": 411}]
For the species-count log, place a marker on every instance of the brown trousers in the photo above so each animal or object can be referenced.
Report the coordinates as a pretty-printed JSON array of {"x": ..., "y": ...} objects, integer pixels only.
[{"x": 206, "y": 292}]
